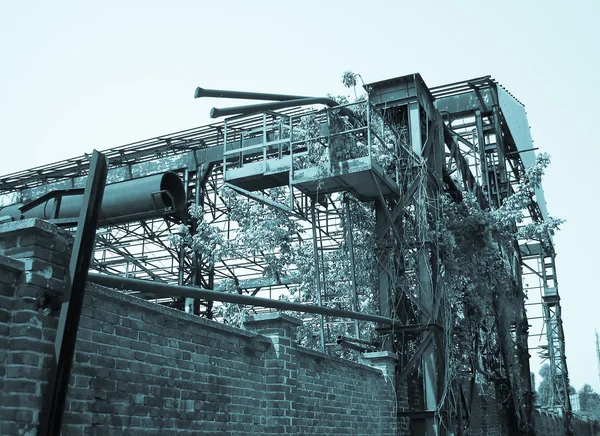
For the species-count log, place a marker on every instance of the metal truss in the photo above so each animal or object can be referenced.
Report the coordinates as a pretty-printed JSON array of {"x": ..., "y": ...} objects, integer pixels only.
[
  {"x": 454, "y": 138},
  {"x": 480, "y": 111}
]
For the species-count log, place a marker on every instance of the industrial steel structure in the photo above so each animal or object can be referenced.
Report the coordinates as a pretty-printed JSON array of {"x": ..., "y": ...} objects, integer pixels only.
[{"x": 399, "y": 149}]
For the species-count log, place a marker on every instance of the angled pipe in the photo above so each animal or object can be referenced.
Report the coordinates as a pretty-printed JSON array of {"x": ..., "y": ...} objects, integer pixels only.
[
  {"x": 158, "y": 290},
  {"x": 221, "y": 93},
  {"x": 262, "y": 107}
]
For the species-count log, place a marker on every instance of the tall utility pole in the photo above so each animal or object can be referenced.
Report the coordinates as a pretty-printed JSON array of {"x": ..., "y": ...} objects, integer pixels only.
[{"x": 597, "y": 351}]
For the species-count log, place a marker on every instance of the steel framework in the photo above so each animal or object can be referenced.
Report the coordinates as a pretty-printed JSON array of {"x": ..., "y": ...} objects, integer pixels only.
[{"x": 466, "y": 136}]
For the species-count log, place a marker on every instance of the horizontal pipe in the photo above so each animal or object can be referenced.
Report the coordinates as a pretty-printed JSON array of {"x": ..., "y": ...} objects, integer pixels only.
[
  {"x": 166, "y": 290},
  {"x": 262, "y": 107},
  {"x": 221, "y": 93},
  {"x": 122, "y": 202}
]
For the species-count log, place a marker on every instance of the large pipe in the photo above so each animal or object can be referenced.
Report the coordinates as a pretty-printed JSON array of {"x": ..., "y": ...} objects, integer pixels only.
[
  {"x": 254, "y": 108},
  {"x": 221, "y": 93},
  {"x": 166, "y": 290},
  {"x": 125, "y": 201}
]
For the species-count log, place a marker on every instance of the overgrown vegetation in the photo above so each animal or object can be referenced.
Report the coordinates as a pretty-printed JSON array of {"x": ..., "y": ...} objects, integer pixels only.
[
  {"x": 476, "y": 248},
  {"x": 482, "y": 276}
]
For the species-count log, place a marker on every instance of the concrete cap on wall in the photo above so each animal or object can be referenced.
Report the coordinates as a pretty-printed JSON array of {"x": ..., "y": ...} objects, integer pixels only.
[
  {"x": 273, "y": 323},
  {"x": 383, "y": 360}
]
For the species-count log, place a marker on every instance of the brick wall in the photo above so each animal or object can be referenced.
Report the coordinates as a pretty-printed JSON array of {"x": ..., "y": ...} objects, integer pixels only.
[
  {"x": 32, "y": 264},
  {"x": 550, "y": 423},
  {"x": 141, "y": 368},
  {"x": 583, "y": 426},
  {"x": 487, "y": 416},
  {"x": 327, "y": 384}
]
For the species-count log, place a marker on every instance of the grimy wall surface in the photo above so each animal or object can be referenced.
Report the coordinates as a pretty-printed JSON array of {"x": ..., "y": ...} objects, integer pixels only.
[{"x": 141, "y": 368}]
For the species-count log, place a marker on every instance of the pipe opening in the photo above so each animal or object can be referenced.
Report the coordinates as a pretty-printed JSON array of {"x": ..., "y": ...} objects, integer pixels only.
[{"x": 173, "y": 193}]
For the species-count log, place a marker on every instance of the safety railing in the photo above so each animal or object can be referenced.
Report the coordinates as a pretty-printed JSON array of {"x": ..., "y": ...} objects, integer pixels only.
[{"x": 316, "y": 138}]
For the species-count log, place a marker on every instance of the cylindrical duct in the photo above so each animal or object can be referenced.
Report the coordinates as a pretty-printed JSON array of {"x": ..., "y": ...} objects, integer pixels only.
[
  {"x": 221, "y": 93},
  {"x": 254, "y": 108},
  {"x": 125, "y": 201}
]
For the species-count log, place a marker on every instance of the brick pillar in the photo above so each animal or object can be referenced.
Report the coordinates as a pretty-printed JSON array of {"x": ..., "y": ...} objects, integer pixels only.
[
  {"x": 282, "y": 369},
  {"x": 385, "y": 361},
  {"x": 10, "y": 271},
  {"x": 40, "y": 255},
  {"x": 382, "y": 360}
]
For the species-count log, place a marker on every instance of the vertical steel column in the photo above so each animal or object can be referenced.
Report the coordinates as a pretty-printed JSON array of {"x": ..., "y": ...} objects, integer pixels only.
[
  {"x": 426, "y": 290},
  {"x": 203, "y": 170},
  {"x": 181, "y": 254},
  {"x": 597, "y": 351},
  {"x": 66, "y": 335},
  {"x": 556, "y": 339},
  {"x": 369, "y": 128},
  {"x": 352, "y": 264},
  {"x": 383, "y": 276},
  {"x": 499, "y": 145},
  {"x": 317, "y": 273},
  {"x": 414, "y": 127},
  {"x": 225, "y": 151},
  {"x": 291, "y": 179},
  {"x": 264, "y": 135},
  {"x": 482, "y": 157}
]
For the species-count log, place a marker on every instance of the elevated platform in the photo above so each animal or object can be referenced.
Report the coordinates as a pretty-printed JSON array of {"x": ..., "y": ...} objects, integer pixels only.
[
  {"x": 262, "y": 174},
  {"x": 362, "y": 177}
]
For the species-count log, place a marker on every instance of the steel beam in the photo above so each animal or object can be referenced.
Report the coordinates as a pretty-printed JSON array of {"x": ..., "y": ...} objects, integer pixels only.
[
  {"x": 317, "y": 274},
  {"x": 350, "y": 238},
  {"x": 66, "y": 335}
]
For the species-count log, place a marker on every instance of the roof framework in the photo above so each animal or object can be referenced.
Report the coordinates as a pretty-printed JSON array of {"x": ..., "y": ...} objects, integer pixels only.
[{"x": 471, "y": 147}]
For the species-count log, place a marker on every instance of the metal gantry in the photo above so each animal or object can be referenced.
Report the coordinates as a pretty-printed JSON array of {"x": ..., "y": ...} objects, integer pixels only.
[
  {"x": 494, "y": 138},
  {"x": 466, "y": 136}
]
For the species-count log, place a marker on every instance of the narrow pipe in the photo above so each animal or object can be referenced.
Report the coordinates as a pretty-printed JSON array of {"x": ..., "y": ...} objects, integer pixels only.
[
  {"x": 166, "y": 290},
  {"x": 262, "y": 107},
  {"x": 221, "y": 93}
]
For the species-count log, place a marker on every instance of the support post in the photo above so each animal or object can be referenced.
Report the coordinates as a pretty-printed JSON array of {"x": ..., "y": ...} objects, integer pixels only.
[
  {"x": 424, "y": 272},
  {"x": 485, "y": 183},
  {"x": 317, "y": 274},
  {"x": 383, "y": 277},
  {"x": 352, "y": 265},
  {"x": 66, "y": 335}
]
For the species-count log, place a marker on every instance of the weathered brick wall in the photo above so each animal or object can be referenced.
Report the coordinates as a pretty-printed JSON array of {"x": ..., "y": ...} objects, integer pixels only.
[
  {"x": 487, "y": 417},
  {"x": 584, "y": 426},
  {"x": 327, "y": 384},
  {"x": 549, "y": 423},
  {"x": 35, "y": 264},
  {"x": 10, "y": 270},
  {"x": 146, "y": 369}
]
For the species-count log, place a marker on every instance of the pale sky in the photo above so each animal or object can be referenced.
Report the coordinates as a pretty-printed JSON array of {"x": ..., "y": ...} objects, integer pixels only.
[{"x": 80, "y": 75}]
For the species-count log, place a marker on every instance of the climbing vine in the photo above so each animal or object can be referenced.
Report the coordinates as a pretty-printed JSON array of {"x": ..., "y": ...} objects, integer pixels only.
[
  {"x": 476, "y": 247},
  {"x": 482, "y": 273}
]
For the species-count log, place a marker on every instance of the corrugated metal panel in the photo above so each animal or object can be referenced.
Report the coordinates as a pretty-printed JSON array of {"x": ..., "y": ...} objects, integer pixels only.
[{"x": 516, "y": 119}]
